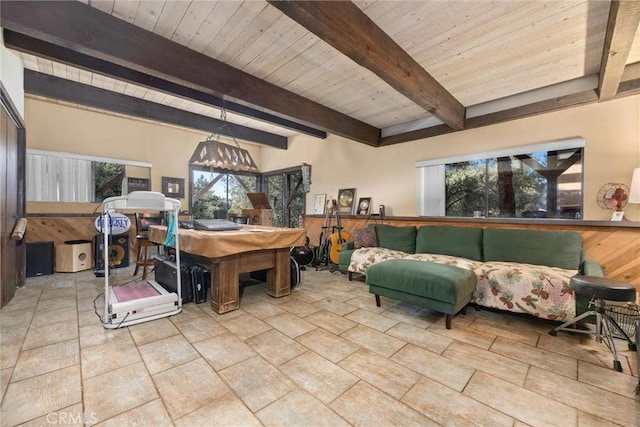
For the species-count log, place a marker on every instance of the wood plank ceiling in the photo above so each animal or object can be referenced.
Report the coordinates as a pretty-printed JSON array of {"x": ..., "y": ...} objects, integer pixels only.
[{"x": 377, "y": 72}]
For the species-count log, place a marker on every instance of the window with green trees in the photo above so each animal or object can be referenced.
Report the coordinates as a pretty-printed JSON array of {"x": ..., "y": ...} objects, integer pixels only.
[
  {"x": 532, "y": 184},
  {"x": 216, "y": 194},
  {"x": 286, "y": 193}
]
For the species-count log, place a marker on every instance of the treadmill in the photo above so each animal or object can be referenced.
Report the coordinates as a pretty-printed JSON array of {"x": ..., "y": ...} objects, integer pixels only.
[{"x": 138, "y": 302}]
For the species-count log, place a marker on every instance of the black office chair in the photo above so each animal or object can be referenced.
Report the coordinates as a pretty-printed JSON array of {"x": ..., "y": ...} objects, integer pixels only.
[{"x": 142, "y": 239}]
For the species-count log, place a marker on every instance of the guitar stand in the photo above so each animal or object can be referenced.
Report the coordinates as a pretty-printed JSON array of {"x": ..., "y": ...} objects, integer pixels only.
[{"x": 331, "y": 267}]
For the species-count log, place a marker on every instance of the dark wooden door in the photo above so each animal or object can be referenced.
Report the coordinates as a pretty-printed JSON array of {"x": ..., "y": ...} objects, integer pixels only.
[{"x": 12, "y": 200}]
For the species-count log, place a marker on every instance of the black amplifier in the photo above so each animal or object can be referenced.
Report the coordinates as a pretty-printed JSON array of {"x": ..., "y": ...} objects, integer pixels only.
[{"x": 166, "y": 274}]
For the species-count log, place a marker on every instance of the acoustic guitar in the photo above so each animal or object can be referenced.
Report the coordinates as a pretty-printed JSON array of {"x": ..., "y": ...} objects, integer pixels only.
[{"x": 337, "y": 240}]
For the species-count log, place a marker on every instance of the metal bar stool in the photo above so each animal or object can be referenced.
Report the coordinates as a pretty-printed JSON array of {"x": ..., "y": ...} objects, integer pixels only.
[
  {"x": 142, "y": 239},
  {"x": 599, "y": 290}
]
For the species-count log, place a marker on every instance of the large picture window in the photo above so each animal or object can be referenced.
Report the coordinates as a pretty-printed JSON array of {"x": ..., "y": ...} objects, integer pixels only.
[
  {"x": 543, "y": 181},
  {"x": 66, "y": 177}
]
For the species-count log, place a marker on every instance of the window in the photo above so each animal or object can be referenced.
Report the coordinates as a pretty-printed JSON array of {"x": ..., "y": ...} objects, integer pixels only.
[
  {"x": 286, "y": 190},
  {"x": 216, "y": 193},
  {"x": 542, "y": 181},
  {"x": 64, "y": 177}
]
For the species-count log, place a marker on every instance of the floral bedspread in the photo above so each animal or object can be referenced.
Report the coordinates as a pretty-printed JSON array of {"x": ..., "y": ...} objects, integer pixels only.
[
  {"x": 523, "y": 288},
  {"x": 526, "y": 288},
  {"x": 454, "y": 261},
  {"x": 362, "y": 258}
]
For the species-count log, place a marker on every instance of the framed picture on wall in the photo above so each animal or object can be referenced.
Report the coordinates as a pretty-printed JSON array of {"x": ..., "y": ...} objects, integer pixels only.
[
  {"x": 319, "y": 204},
  {"x": 173, "y": 187},
  {"x": 346, "y": 199},
  {"x": 364, "y": 206}
]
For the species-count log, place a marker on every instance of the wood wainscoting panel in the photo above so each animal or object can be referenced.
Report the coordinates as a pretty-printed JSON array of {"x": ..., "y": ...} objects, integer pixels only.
[
  {"x": 59, "y": 229},
  {"x": 615, "y": 246}
]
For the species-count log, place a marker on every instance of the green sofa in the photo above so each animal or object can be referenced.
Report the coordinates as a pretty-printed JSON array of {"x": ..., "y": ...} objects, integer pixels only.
[{"x": 519, "y": 270}]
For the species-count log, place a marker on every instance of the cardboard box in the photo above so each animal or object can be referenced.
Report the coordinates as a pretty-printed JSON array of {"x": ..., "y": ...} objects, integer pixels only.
[
  {"x": 73, "y": 255},
  {"x": 259, "y": 216}
]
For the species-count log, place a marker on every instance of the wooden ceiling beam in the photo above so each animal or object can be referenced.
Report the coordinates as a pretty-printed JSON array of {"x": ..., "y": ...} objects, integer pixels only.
[
  {"x": 416, "y": 134},
  {"x": 349, "y": 30},
  {"x": 533, "y": 109},
  {"x": 23, "y": 43},
  {"x": 66, "y": 90},
  {"x": 628, "y": 88},
  {"x": 624, "y": 18},
  {"x": 81, "y": 28}
]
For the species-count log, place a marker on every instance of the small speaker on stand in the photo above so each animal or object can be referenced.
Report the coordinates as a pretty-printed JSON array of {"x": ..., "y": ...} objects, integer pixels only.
[{"x": 39, "y": 258}]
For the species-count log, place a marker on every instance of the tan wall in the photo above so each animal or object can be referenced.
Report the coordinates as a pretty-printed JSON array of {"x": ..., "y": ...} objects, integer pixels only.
[
  {"x": 56, "y": 127},
  {"x": 388, "y": 175}
]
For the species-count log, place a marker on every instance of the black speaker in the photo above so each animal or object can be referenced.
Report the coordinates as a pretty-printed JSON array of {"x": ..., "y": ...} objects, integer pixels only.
[
  {"x": 118, "y": 256},
  {"x": 39, "y": 258}
]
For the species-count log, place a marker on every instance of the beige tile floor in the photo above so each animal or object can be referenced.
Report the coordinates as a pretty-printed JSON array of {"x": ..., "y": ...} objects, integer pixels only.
[{"x": 326, "y": 355}]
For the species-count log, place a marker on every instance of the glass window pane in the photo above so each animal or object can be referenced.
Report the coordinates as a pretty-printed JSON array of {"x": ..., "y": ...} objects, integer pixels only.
[
  {"x": 216, "y": 194},
  {"x": 465, "y": 188},
  {"x": 545, "y": 184},
  {"x": 239, "y": 186},
  {"x": 209, "y": 195},
  {"x": 296, "y": 198},
  {"x": 108, "y": 178},
  {"x": 275, "y": 194}
]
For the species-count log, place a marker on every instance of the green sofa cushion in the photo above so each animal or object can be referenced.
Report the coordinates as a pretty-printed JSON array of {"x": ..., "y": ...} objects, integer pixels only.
[
  {"x": 344, "y": 259},
  {"x": 463, "y": 242},
  {"x": 542, "y": 247},
  {"x": 397, "y": 238},
  {"x": 425, "y": 279}
]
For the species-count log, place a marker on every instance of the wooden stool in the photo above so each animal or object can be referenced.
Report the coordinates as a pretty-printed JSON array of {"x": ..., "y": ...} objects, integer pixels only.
[
  {"x": 142, "y": 239},
  {"x": 142, "y": 259}
]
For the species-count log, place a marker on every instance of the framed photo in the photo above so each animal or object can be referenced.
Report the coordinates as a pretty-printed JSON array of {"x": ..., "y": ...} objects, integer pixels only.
[
  {"x": 319, "y": 204},
  {"x": 173, "y": 187},
  {"x": 346, "y": 200},
  {"x": 364, "y": 206},
  {"x": 617, "y": 216}
]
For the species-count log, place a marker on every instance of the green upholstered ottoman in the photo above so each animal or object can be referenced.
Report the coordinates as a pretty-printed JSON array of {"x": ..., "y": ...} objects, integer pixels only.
[{"x": 439, "y": 287}]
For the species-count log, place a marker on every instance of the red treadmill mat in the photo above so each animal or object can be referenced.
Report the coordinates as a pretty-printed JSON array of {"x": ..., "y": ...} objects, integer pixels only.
[{"x": 133, "y": 291}]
